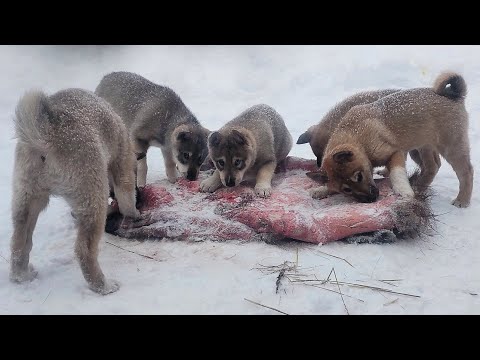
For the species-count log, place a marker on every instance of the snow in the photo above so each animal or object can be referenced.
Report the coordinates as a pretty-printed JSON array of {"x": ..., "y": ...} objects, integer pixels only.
[{"x": 217, "y": 83}]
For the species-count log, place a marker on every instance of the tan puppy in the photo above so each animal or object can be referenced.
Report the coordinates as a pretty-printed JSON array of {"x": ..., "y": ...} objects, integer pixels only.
[
  {"x": 70, "y": 144},
  {"x": 318, "y": 135},
  {"x": 249, "y": 146},
  {"x": 430, "y": 120}
]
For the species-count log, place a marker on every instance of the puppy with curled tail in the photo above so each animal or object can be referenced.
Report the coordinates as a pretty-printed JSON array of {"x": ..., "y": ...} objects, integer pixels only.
[
  {"x": 70, "y": 144},
  {"x": 430, "y": 120}
]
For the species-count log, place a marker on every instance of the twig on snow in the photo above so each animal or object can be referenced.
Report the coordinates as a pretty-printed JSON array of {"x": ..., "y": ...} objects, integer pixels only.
[
  {"x": 133, "y": 252},
  {"x": 265, "y": 306}
]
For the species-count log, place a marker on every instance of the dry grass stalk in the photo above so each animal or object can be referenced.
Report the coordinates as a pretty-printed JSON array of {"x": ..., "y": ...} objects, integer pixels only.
[
  {"x": 265, "y": 306},
  {"x": 133, "y": 252},
  {"x": 341, "y": 295},
  {"x": 4, "y": 258}
]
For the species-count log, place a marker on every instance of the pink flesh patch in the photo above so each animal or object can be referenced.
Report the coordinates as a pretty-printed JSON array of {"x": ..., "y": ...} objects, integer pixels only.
[{"x": 181, "y": 211}]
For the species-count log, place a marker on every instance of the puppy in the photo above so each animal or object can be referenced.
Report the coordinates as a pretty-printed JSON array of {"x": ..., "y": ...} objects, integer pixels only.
[
  {"x": 70, "y": 144},
  {"x": 251, "y": 145},
  {"x": 156, "y": 116},
  {"x": 430, "y": 120},
  {"x": 318, "y": 135}
]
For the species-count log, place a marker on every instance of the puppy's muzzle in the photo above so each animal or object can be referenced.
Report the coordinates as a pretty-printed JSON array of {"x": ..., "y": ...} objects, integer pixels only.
[
  {"x": 230, "y": 181},
  {"x": 192, "y": 174},
  {"x": 372, "y": 195}
]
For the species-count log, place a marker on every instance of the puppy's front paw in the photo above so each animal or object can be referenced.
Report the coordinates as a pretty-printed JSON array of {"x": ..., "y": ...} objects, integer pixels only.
[
  {"x": 263, "y": 190},
  {"x": 460, "y": 204},
  {"x": 404, "y": 192},
  {"x": 109, "y": 286},
  {"x": 132, "y": 214},
  {"x": 144, "y": 219},
  {"x": 172, "y": 179},
  {"x": 23, "y": 276},
  {"x": 319, "y": 192},
  {"x": 209, "y": 185},
  {"x": 382, "y": 172}
]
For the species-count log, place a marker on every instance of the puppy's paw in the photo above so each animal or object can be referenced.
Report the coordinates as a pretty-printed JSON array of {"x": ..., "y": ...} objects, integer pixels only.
[
  {"x": 109, "y": 286},
  {"x": 319, "y": 192},
  {"x": 209, "y": 185},
  {"x": 23, "y": 276},
  {"x": 136, "y": 215},
  {"x": 263, "y": 190},
  {"x": 460, "y": 204},
  {"x": 382, "y": 172},
  {"x": 404, "y": 193},
  {"x": 144, "y": 219}
]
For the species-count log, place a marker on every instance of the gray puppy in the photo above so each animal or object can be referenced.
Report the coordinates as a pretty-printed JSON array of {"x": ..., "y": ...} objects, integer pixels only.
[
  {"x": 156, "y": 116},
  {"x": 249, "y": 146},
  {"x": 70, "y": 144}
]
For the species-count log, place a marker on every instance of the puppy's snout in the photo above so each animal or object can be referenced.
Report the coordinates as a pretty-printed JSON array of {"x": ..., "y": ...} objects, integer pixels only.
[
  {"x": 373, "y": 190},
  {"x": 230, "y": 181},
  {"x": 192, "y": 174}
]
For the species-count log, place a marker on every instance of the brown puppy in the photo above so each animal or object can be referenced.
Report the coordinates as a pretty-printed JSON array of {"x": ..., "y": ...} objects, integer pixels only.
[
  {"x": 430, "y": 120},
  {"x": 318, "y": 135}
]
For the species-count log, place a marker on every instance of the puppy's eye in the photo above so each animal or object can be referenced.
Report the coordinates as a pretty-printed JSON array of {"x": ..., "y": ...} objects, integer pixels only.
[
  {"x": 238, "y": 162},
  {"x": 359, "y": 177},
  {"x": 346, "y": 189},
  {"x": 186, "y": 155},
  {"x": 221, "y": 163}
]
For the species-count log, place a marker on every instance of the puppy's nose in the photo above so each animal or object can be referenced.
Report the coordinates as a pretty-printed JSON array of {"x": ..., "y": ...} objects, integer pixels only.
[
  {"x": 192, "y": 175},
  {"x": 373, "y": 193},
  {"x": 230, "y": 182}
]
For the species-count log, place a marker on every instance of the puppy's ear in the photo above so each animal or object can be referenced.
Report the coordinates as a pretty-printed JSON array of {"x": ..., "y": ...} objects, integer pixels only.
[
  {"x": 239, "y": 138},
  {"x": 184, "y": 136},
  {"x": 357, "y": 176},
  {"x": 304, "y": 138},
  {"x": 318, "y": 176},
  {"x": 342, "y": 157},
  {"x": 214, "y": 139}
]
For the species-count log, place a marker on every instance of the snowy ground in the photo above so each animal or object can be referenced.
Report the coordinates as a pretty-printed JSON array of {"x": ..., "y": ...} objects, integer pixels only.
[{"x": 217, "y": 83}]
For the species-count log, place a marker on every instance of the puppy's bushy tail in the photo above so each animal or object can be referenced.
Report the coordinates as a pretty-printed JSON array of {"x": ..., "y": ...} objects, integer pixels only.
[
  {"x": 32, "y": 120},
  {"x": 450, "y": 85}
]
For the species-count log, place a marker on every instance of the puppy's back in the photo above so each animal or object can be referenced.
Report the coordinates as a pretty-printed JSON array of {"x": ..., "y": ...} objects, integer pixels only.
[
  {"x": 267, "y": 126},
  {"x": 419, "y": 113},
  {"x": 131, "y": 94},
  {"x": 70, "y": 122},
  {"x": 319, "y": 134}
]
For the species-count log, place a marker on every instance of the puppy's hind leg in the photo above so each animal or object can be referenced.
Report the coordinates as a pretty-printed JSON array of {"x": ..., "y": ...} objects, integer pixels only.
[
  {"x": 25, "y": 211},
  {"x": 91, "y": 210},
  {"x": 263, "y": 185},
  {"x": 429, "y": 163},
  {"x": 460, "y": 162}
]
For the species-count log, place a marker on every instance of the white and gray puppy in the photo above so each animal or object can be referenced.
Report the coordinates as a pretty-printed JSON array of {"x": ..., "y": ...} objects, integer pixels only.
[
  {"x": 156, "y": 116},
  {"x": 249, "y": 146},
  {"x": 70, "y": 144}
]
